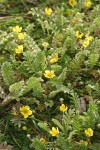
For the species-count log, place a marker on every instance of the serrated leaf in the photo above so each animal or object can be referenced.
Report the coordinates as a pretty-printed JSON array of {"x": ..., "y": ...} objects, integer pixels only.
[
  {"x": 71, "y": 135},
  {"x": 37, "y": 144},
  {"x": 44, "y": 126},
  {"x": 40, "y": 62},
  {"x": 33, "y": 84},
  {"x": 93, "y": 59},
  {"x": 62, "y": 88},
  {"x": 62, "y": 76},
  {"x": 53, "y": 94},
  {"x": 50, "y": 103},
  {"x": 56, "y": 68},
  {"x": 7, "y": 73},
  {"x": 16, "y": 89},
  {"x": 57, "y": 123}
]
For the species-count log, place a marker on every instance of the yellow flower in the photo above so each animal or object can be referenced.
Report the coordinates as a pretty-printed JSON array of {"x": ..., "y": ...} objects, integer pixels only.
[
  {"x": 48, "y": 11},
  {"x": 54, "y": 59},
  {"x": 63, "y": 108},
  {"x": 89, "y": 132},
  {"x": 49, "y": 74},
  {"x": 45, "y": 44},
  {"x": 89, "y": 38},
  {"x": 84, "y": 142},
  {"x": 21, "y": 36},
  {"x": 24, "y": 128},
  {"x": 43, "y": 141},
  {"x": 54, "y": 131},
  {"x": 79, "y": 35},
  {"x": 19, "y": 49},
  {"x": 17, "y": 29},
  {"x": 25, "y": 111},
  {"x": 15, "y": 113},
  {"x": 87, "y": 3},
  {"x": 72, "y": 2},
  {"x": 86, "y": 43}
]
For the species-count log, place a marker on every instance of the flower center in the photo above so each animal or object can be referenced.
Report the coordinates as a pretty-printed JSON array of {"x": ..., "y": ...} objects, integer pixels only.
[{"x": 25, "y": 111}]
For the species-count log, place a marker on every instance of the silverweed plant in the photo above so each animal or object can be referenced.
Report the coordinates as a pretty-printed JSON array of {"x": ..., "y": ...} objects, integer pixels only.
[{"x": 50, "y": 78}]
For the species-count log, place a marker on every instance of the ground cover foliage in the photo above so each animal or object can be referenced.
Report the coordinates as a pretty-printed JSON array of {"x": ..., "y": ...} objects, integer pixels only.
[{"x": 49, "y": 75}]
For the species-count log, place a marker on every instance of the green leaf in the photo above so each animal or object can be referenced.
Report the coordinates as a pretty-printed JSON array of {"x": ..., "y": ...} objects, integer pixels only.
[
  {"x": 28, "y": 61},
  {"x": 95, "y": 146},
  {"x": 56, "y": 68},
  {"x": 50, "y": 103},
  {"x": 64, "y": 89},
  {"x": 37, "y": 144},
  {"x": 62, "y": 76},
  {"x": 29, "y": 41},
  {"x": 71, "y": 134},
  {"x": 62, "y": 143},
  {"x": 40, "y": 62},
  {"x": 2, "y": 1},
  {"x": 44, "y": 126},
  {"x": 53, "y": 94},
  {"x": 61, "y": 88},
  {"x": 57, "y": 123},
  {"x": 81, "y": 54},
  {"x": 35, "y": 84},
  {"x": 76, "y": 123},
  {"x": 16, "y": 90},
  {"x": 93, "y": 59},
  {"x": 7, "y": 73}
]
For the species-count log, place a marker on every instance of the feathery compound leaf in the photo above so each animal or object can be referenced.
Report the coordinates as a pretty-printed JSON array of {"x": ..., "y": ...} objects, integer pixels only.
[
  {"x": 63, "y": 143},
  {"x": 62, "y": 76},
  {"x": 35, "y": 84},
  {"x": 57, "y": 123},
  {"x": 7, "y": 73},
  {"x": 28, "y": 61},
  {"x": 30, "y": 43},
  {"x": 40, "y": 62},
  {"x": 37, "y": 144},
  {"x": 93, "y": 59},
  {"x": 53, "y": 94},
  {"x": 44, "y": 126},
  {"x": 16, "y": 89},
  {"x": 76, "y": 123},
  {"x": 62, "y": 88},
  {"x": 81, "y": 54}
]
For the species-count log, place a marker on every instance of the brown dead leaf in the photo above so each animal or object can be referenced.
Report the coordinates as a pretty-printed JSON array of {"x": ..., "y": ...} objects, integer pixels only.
[
  {"x": 88, "y": 98},
  {"x": 82, "y": 105},
  {"x": 97, "y": 32},
  {"x": 4, "y": 146}
]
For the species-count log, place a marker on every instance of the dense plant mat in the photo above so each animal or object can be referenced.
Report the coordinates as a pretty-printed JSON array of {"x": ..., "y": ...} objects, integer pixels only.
[{"x": 50, "y": 75}]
